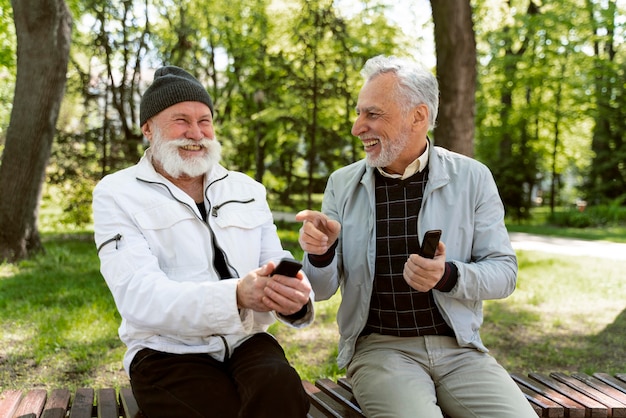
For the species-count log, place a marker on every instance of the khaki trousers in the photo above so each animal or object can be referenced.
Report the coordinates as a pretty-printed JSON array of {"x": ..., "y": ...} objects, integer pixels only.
[{"x": 414, "y": 377}]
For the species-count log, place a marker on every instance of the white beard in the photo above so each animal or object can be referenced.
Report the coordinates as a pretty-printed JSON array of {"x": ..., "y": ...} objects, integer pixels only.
[
  {"x": 165, "y": 152},
  {"x": 389, "y": 151}
]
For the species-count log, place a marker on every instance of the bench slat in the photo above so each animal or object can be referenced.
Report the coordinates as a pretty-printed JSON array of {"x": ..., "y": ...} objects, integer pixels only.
[
  {"x": 315, "y": 413},
  {"x": 128, "y": 404},
  {"x": 602, "y": 386},
  {"x": 32, "y": 403},
  {"x": 557, "y": 395},
  {"x": 345, "y": 383},
  {"x": 57, "y": 404},
  {"x": 82, "y": 406},
  {"x": 9, "y": 401},
  {"x": 593, "y": 408},
  {"x": 575, "y": 410},
  {"x": 107, "y": 404},
  {"x": 339, "y": 393},
  {"x": 543, "y": 407},
  {"x": 326, "y": 404},
  {"x": 615, "y": 408},
  {"x": 610, "y": 380}
]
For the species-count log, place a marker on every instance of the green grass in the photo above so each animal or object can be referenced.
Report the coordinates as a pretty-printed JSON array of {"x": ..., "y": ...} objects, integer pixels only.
[
  {"x": 567, "y": 314},
  {"x": 58, "y": 320},
  {"x": 58, "y": 323}
]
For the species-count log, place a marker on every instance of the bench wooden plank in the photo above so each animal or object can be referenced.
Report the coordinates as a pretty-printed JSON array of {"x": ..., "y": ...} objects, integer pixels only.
[
  {"x": 315, "y": 413},
  {"x": 339, "y": 393},
  {"x": 615, "y": 408},
  {"x": 557, "y": 395},
  {"x": 593, "y": 408},
  {"x": 9, "y": 401},
  {"x": 326, "y": 404},
  {"x": 345, "y": 383},
  {"x": 107, "y": 404},
  {"x": 82, "y": 406},
  {"x": 575, "y": 410},
  {"x": 601, "y": 386},
  {"x": 543, "y": 407},
  {"x": 32, "y": 403},
  {"x": 615, "y": 382},
  {"x": 128, "y": 404},
  {"x": 57, "y": 404}
]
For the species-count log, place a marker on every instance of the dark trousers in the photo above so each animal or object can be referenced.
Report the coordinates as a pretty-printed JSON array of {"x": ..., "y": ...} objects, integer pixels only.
[{"x": 256, "y": 381}]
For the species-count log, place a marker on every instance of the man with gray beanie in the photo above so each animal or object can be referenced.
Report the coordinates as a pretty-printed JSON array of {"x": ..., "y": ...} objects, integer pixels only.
[{"x": 188, "y": 249}]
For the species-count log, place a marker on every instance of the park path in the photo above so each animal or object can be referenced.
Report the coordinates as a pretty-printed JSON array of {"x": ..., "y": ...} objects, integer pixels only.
[
  {"x": 554, "y": 245},
  {"x": 568, "y": 246}
]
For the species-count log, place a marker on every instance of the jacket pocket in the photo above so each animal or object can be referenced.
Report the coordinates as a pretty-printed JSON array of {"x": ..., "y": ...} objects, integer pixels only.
[
  {"x": 244, "y": 217},
  {"x": 164, "y": 216}
]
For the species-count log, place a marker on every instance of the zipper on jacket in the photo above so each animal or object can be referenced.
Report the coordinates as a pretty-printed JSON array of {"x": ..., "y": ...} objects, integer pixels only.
[
  {"x": 216, "y": 208},
  {"x": 213, "y": 211},
  {"x": 116, "y": 238}
]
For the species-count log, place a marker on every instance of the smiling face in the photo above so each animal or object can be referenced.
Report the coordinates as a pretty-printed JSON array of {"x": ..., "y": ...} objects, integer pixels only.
[
  {"x": 392, "y": 137},
  {"x": 183, "y": 141}
]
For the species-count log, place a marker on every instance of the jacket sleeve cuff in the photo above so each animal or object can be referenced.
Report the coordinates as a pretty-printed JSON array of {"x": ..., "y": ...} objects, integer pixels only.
[
  {"x": 300, "y": 319},
  {"x": 449, "y": 278},
  {"x": 324, "y": 259}
]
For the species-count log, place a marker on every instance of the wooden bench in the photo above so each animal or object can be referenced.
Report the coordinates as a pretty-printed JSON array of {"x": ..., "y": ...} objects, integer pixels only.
[
  {"x": 556, "y": 395},
  {"x": 85, "y": 403}
]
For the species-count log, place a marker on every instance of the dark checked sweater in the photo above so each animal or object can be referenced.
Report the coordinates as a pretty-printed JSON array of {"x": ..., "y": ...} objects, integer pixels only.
[{"x": 395, "y": 307}]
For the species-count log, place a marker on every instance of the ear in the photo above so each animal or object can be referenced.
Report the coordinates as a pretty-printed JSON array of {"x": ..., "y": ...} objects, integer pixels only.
[
  {"x": 147, "y": 131},
  {"x": 420, "y": 116}
]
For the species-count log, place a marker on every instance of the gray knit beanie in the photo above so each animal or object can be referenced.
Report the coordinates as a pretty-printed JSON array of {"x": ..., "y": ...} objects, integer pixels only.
[{"x": 171, "y": 85}]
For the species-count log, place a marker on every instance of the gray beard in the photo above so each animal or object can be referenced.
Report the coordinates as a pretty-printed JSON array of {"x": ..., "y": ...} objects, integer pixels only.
[{"x": 388, "y": 153}]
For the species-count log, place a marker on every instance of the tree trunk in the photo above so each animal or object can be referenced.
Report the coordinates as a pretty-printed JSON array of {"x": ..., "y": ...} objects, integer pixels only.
[
  {"x": 43, "y": 29},
  {"x": 456, "y": 71}
]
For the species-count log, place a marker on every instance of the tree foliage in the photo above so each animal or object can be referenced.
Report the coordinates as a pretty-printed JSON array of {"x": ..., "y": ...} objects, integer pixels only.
[
  {"x": 542, "y": 97},
  {"x": 284, "y": 75}
]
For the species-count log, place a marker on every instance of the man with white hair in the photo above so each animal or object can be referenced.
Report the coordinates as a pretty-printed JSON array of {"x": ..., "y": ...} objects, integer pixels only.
[
  {"x": 409, "y": 321},
  {"x": 188, "y": 249}
]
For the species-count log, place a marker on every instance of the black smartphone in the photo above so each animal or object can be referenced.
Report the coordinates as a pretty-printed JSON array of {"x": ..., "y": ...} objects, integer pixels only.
[
  {"x": 430, "y": 242},
  {"x": 287, "y": 267}
]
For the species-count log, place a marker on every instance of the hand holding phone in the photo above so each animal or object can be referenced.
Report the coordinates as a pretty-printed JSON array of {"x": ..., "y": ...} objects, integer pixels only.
[
  {"x": 430, "y": 243},
  {"x": 287, "y": 267}
]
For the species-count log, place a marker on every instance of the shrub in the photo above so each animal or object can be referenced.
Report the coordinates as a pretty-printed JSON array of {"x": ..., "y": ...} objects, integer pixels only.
[{"x": 590, "y": 216}]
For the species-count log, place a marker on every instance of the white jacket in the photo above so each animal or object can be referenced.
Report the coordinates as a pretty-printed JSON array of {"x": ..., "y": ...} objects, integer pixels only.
[{"x": 156, "y": 256}]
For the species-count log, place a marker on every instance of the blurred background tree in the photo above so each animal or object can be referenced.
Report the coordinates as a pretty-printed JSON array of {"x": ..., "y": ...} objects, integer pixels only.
[
  {"x": 43, "y": 31},
  {"x": 534, "y": 89}
]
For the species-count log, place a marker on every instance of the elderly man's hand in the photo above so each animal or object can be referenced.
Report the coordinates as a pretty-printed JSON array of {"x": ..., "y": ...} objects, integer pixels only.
[
  {"x": 422, "y": 273},
  {"x": 261, "y": 292},
  {"x": 287, "y": 295},
  {"x": 318, "y": 232}
]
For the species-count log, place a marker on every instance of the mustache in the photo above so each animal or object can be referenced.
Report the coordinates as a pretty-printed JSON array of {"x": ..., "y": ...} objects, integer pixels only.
[{"x": 182, "y": 142}]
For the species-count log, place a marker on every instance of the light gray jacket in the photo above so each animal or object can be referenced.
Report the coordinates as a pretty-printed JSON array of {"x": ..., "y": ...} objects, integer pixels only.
[{"x": 462, "y": 199}]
